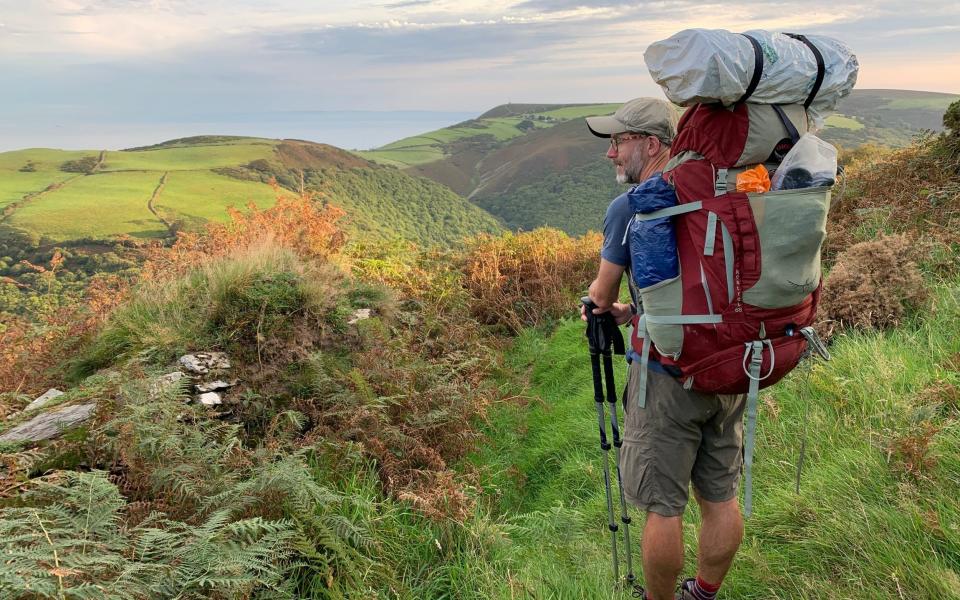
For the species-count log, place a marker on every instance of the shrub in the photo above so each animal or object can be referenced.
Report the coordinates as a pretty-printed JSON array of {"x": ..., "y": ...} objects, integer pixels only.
[
  {"x": 519, "y": 280},
  {"x": 873, "y": 284},
  {"x": 85, "y": 165},
  {"x": 951, "y": 119},
  {"x": 913, "y": 189}
]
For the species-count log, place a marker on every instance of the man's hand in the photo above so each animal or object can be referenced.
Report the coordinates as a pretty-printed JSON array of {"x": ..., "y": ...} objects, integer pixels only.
[{"x": 622, "y": 313}]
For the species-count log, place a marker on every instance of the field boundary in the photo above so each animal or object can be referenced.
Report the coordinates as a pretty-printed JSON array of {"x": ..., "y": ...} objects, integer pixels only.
[{"x": 153, "y": 197}]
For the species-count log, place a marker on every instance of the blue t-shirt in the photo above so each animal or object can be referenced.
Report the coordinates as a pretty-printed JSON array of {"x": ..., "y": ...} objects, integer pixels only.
[{"x": 614, "y": 250}]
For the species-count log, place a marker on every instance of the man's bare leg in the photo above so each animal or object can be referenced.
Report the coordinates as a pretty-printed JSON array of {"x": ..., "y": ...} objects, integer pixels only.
[
  {"x": 720, "y": 534},
  {"x": 662, "y": 555}
]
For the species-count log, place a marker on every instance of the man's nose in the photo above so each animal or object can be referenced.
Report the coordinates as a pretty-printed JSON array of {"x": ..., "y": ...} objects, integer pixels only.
[{"x": 611, "y": 151}]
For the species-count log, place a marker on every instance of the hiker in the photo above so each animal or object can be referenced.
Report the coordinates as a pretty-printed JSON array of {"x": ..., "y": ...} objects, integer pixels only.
[{"x": 679, "y": 436}]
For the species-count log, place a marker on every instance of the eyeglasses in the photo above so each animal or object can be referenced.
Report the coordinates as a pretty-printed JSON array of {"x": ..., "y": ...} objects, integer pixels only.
[{"x": 615, "y": 141}]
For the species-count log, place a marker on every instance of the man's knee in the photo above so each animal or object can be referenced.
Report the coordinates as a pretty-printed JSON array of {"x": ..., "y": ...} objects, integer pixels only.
[
  {"x": 663, "y": 540},
  {"x": 724, "y": 508}
]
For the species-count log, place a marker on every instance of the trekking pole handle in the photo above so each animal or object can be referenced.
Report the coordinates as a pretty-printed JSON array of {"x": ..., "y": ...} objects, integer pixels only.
[{"x": 588, "y": 303}]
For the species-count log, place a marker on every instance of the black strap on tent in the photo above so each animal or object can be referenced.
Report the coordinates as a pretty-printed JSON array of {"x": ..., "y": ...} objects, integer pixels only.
[
  {"x": 821, "y": 69},
  {"x": 757, "y": 68},
  {"x": 787, "y": 123}
]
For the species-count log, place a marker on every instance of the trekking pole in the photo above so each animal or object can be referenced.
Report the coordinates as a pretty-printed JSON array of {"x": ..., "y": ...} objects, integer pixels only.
[
  {"x": 602, "y": 333},
  {"x": 617, "y": 443}
]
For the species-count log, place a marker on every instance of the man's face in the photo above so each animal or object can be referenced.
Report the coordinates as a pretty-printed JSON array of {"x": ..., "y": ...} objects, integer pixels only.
[{"x": 628, "y": 153}]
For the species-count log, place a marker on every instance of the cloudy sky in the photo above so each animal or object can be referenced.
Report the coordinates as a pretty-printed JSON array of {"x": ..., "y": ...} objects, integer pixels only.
[{"x": 75, "y": 64}]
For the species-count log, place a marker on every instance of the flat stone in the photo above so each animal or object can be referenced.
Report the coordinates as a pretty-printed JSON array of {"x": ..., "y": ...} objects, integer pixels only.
[
  {"x": 359, "y": 315},
  {"x": 210, "y": 399},
  {"x": 44, "y": 399},
  {"x": 165, "y": 382},
  {"x": 204, "y": 362},
  {"x": 49, "y": 424},
  {"x": 212, "y": 386}
]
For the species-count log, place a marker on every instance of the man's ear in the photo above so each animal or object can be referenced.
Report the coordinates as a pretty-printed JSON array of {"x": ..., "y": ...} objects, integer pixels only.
[{"x": 653, "y": 145}]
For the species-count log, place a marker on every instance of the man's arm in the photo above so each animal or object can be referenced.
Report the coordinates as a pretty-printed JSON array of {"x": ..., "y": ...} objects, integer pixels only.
[{"x": 605, "y": 289}]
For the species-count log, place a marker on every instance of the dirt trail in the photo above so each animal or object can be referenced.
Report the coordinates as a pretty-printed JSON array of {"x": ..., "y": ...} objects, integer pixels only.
[
  {"x": 100, "y": 160},
  {"x": 154, "y": 197}
]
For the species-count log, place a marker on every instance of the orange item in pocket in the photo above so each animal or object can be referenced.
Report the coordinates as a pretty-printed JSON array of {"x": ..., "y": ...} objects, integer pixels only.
[{"x": 754, "y": 180}]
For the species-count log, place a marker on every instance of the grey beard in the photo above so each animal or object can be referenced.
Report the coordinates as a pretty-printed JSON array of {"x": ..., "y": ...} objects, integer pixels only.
[{"x": 622, "y": 179}]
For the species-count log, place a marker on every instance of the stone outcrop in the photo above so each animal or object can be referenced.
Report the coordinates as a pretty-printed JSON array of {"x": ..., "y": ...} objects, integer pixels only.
[
  {"x": 49, "y": 424},
  {"x": 45, "y": 399}
]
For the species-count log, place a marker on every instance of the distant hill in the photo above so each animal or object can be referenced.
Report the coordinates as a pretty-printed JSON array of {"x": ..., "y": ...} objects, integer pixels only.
[
  {"x": 64, "y": 197},
  {"x": 536, "y": 164}
]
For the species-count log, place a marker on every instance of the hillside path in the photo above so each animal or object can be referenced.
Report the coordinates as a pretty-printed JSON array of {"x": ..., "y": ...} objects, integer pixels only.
[{"x": 154, "y": 197}]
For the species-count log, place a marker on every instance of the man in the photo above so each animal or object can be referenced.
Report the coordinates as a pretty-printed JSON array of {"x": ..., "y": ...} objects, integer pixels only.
[{"x": 680, "y": 436}]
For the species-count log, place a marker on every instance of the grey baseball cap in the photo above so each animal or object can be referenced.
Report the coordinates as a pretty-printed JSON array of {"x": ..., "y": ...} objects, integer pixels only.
[{"x": 648, "y": 115}]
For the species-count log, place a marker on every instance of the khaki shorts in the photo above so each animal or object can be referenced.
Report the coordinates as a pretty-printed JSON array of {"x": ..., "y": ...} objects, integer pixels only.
[{"x": 680, "y": 436}]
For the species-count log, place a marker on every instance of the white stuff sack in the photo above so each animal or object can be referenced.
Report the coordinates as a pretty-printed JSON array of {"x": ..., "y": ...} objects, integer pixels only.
[{"x": 715, "y": 65}]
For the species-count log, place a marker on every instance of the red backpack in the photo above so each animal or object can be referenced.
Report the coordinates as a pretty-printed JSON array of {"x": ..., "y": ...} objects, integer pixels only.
[{"x": 738, "y": 316}]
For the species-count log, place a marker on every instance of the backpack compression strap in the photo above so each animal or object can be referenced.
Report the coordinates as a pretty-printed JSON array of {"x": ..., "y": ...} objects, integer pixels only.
[
  {"x": 757, "y": 68},
  {"x": 821, "y": 68}
]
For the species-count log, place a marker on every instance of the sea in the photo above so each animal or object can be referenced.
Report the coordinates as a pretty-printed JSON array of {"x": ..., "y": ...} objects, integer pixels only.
[{"x": 351, "y": 130}]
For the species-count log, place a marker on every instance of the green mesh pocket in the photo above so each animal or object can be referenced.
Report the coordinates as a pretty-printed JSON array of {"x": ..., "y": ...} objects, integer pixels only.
[{"x": 792, "y": 225}]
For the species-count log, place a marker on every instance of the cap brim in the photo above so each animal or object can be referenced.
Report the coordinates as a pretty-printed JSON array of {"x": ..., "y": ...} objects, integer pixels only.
[{"x": 605, "y": 126}]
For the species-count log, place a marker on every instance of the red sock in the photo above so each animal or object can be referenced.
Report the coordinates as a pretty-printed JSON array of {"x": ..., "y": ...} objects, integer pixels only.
[
  {"x": 701, "y": 590},
  {"x": 710, "y": 588}
]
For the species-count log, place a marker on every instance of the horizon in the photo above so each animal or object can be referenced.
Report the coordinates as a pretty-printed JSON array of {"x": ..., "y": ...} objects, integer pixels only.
[
  {"x": 375, "y": 127},
  {"x": 67, "y": 64}
]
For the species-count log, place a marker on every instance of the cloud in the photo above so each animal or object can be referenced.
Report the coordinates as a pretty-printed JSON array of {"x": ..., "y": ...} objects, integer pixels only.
[
  {"x": 565, "y": 5},
  {"x": 408, "y": 3}
]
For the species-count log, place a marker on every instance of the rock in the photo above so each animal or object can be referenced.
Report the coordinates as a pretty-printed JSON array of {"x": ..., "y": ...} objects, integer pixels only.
[
  {"x": 210, "y": 399},
  {"x": 359, "y": 315},
  {"x": 204, "y": 362},
  {"x": 165, "y": 382},
  {"x": 49, "y": 424},
  {"x": 212, "y": 386},
  {"x": 44, "y": 399}
]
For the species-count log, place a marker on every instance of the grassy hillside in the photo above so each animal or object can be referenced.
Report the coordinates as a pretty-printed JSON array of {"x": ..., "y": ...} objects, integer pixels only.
[
  {"x": 537, "y": 173},
  {"x": 61, "y": 197}
]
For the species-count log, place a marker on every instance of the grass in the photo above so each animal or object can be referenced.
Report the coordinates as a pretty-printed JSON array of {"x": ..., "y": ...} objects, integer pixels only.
[
  {"x": 863, "y": 525},
  {"x": 45, "y": 159},
  {"x": 844, "y": 122},
  {"x": 430, "y": 147},
  {"x": 205, "y": 196},
  {"x": 15, "y": 185},
  {"x": 576, "y": 112},
  {"x": 929, "y": 103},
  {"x": 97, "y": 206},
  {"x": 188, "y": 158}
]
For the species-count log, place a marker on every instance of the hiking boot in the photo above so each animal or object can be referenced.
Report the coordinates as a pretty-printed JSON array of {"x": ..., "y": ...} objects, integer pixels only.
[{"x": 683, "y": 592}]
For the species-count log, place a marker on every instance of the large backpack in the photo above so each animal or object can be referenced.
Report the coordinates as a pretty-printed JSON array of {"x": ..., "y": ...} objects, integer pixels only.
[{"x": 737, "y": 318}]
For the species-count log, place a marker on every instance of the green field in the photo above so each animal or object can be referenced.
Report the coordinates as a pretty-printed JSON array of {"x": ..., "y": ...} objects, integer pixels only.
[
  {"x": 94, "y": 207},
  {"x": 15, "y": 185},
  {"x": 433, "y": 146},
  {"x": 45, "y": 165},
  {"x": 197, "y": 195},
  {"x": 844, "y": 122},
  {"x": 930, "y": 103},
  {"x": 44, "y": 159},
  {"x": 188, "y": 158},
  {"x": 576, "y": 112}
]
